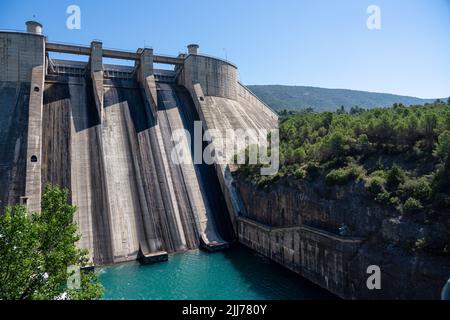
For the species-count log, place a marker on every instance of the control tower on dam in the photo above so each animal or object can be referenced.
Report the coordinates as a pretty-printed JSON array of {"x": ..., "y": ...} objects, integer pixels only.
[{"x": 106, "y": 132}]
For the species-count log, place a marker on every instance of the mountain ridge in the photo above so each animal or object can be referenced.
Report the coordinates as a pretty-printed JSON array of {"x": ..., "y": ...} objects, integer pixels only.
[{"x": 295, "y": 98}]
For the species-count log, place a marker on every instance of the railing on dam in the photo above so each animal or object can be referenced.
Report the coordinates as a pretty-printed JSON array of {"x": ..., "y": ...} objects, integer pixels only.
[
  {"x": 109, "y": 53},
  {"x": 118, "y": 72},
  {"x": 115, "y": 74},
  {"x": 78, "y": 69},
  {"x": 165, "y": 75},
  {"x": 68, "y": 68}
]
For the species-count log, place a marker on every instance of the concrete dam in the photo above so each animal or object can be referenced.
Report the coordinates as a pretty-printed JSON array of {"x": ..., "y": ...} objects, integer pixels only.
[{"x": 105, "y": 132}]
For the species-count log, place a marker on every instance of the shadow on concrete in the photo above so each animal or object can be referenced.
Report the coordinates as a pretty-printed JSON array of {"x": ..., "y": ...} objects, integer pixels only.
[
  {"x": 273, "y": 280},
  {"x": 208, "y": 176},
  {"x": 131, "y": 96},
  {"x": 14, "y": 99},
  {"x": 60, "y": 93}
]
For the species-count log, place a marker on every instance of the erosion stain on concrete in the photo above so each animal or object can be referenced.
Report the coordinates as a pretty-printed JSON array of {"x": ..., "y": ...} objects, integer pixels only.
[
  {"x": 13, "y": 141},
  {"x": 207, "y": 173},
  {"x": 56, "y": 151}
]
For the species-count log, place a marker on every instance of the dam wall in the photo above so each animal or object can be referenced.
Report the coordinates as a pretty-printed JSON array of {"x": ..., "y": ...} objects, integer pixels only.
[
  {"x": 129, "y": 193},
  {"x": 108, "y": 133},
  {"x": 223, "y": 103},
  {"x": 73, "y": 159}
]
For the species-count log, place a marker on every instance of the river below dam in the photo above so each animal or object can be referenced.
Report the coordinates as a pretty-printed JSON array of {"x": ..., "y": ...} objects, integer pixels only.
[{"x": 237, "y": 273}]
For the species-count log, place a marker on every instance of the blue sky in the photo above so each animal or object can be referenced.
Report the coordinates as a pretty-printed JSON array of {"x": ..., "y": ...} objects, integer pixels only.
[{"x": 321, "y": 43}]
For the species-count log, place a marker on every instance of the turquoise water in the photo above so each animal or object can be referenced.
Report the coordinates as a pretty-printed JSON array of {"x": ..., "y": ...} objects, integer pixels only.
[{"x": 237, "y": 273}]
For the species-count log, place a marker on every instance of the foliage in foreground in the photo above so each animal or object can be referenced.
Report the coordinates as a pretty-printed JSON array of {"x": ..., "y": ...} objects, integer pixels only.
[{"x": 36, "y": 250}]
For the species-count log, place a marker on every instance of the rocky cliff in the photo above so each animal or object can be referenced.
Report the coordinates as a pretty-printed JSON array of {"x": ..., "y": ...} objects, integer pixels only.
[{"x": 332, "y": 234}]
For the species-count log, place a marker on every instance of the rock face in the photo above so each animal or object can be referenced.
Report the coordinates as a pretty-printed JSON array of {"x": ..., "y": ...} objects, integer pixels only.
[{"x": 331, "y": 235}]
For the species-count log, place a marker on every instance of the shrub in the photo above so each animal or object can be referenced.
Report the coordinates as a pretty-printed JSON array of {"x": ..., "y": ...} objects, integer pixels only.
[
  {"x": 337, "y": 177},
  {"x": 395, "y": 201},
  {"x": 421, "y": 244},
  {"x": 300, "y": 173},
  {"x": 312, "y": 169},
  {"x": 299, "y": 155},
  {"x": 442, "y": 149},
  {"x": 375, "y": 185},
  {"x": 379, "y": 173},
  {"x": 412, "y": 205},
  {"x": 417, "y": 188},
  {"x": 335, "y": 144},
  {"x": 294, "y": 156},
  {"x": 395, "y": 177},
  {"x": 363, "y": 141},
  {"x": 383, "y": 197},
  {"x": 343, "y": 175}
]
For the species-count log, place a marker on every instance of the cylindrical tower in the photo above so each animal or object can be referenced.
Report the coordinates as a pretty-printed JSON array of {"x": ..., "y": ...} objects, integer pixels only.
[
  {"x": 217, "y": 77},
  {"x": 193, "y": 48},
  {"x": 34, "y": 27}
]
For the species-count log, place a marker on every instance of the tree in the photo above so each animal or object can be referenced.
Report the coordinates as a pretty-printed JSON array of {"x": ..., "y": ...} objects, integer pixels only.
[
  {"x": 448, "y": 101},
  {"x": 37, "y": 249},
  {"x": 442, "y": 149},
  {"x": 356, "y": 110},
  {"x": 327, "y": 120},
  {"x": 395, "y": 177},
  {"x": 341, "y": 110},
  {"x": 412, "y": 205},
  {"x": 429, "y": 125}
]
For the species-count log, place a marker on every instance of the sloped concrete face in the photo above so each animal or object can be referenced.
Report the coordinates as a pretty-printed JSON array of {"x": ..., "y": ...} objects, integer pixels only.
[
  {"x": 224, "y": 104},
  {"x": 128, "y": 192},
  {"x": 72, "y": 158},
  {"x": 14, "y": 99},
  {"x": 208, "y": 208}
]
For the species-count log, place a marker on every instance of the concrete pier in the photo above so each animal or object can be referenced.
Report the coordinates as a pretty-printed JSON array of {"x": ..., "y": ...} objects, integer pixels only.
[{"x": 33, "y": 190}]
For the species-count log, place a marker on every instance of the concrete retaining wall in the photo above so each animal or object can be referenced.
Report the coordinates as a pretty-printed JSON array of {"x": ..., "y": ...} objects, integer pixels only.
[{"x": 317, "y": 255}]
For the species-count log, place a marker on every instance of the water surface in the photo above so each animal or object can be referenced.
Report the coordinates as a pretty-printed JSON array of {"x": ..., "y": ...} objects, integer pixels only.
[{"x": 237, "y": 273}]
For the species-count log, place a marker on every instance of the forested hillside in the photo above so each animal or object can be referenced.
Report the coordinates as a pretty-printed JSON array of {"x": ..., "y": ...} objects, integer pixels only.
[
  {"x": 320, "y": 99},
  {"x": 400, "y": 154}
]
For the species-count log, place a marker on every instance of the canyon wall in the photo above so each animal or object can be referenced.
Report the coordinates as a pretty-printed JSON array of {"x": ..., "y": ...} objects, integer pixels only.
[{"x": 331, "y": 235}]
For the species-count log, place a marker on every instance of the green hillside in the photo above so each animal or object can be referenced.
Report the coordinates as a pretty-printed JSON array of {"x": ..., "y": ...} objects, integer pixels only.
[
  {"x": 320, "y": 99},
  {"x": 400, "y": 154}
]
